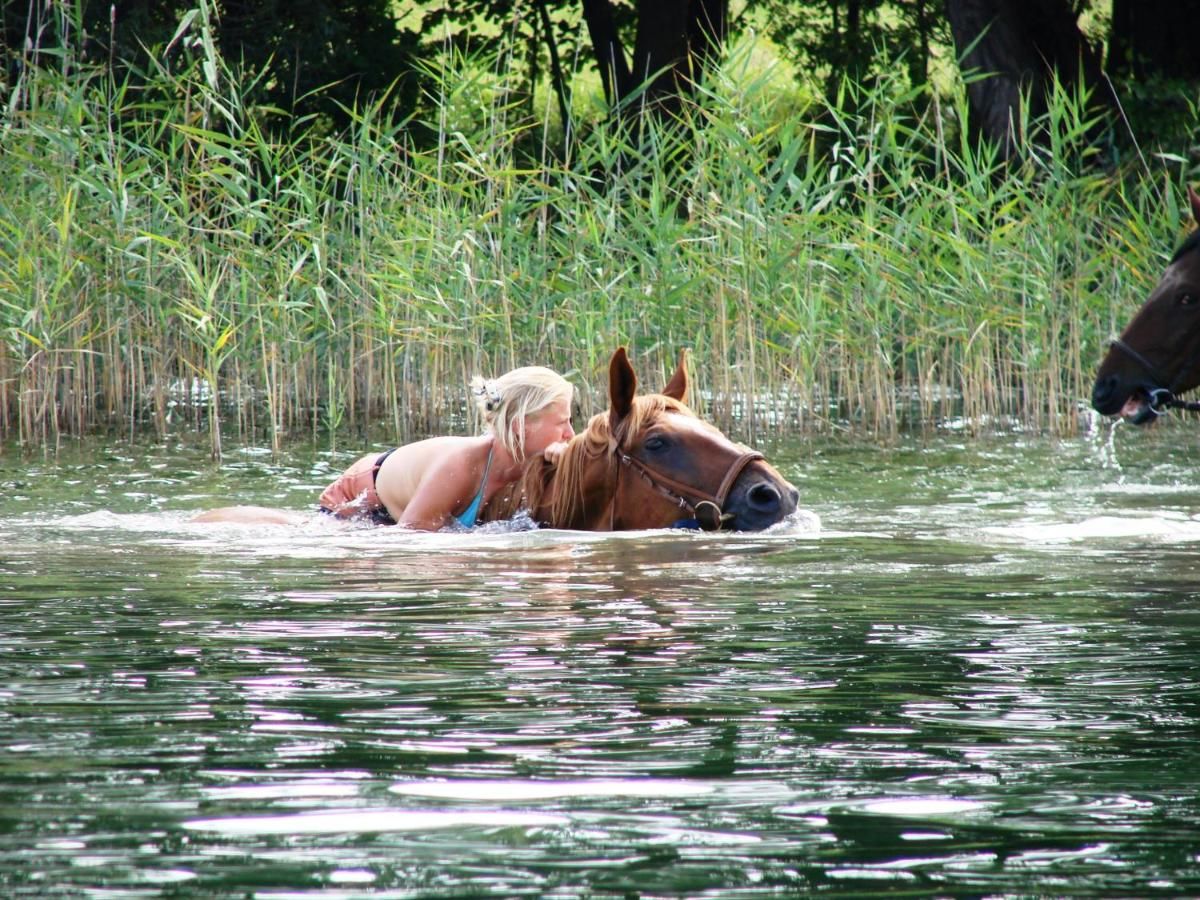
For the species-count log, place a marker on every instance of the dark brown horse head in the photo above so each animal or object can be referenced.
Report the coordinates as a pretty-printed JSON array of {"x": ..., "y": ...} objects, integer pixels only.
[
  {"x": 650, "y": 462},
  {"x": 1157, "y": 356}
]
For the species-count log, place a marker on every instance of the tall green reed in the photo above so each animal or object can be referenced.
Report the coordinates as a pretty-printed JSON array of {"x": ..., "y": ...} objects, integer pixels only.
[{"x": 170, "y": 252}]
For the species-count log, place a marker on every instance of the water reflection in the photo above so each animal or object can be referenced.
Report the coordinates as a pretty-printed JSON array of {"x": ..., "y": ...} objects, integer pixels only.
[
  {"x": 333, "y": 821},
  {"x": 978, "y": 677}
]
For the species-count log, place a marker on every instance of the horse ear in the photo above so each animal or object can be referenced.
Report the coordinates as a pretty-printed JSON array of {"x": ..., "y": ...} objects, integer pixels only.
[
  {"x": 677, "y": 387},
  {"x": 1194, "y": 199},
  {"x": 622, "y": 383}
]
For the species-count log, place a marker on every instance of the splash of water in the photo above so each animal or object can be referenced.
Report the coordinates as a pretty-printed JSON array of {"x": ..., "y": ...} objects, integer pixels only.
[
  {"x": 1103, "y": 443},
  {"x": 802, "y": 521},
  {"x": 1109, "y": 457}
]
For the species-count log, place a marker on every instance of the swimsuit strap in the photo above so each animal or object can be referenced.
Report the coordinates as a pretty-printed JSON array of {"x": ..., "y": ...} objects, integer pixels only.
[
  {"x": 467, "y": 517},
  {"x": 379, "y": 464}
]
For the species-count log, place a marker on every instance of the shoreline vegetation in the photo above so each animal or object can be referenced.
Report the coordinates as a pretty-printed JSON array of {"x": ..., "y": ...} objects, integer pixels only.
[{"x": 860, "y": 266}]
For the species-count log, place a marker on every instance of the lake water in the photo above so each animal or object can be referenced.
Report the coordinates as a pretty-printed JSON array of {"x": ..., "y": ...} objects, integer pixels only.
[{"x": 980, "y": 676}]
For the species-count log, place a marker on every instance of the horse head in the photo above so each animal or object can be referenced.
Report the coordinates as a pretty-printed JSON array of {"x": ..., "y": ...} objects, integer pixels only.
[
  {"x": 650, "y": 462},
  {"x": 1157, "y": 356}
]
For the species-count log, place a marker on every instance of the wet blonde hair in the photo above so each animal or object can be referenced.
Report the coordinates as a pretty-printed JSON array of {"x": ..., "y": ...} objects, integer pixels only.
[{"x": 505, "y": 402}]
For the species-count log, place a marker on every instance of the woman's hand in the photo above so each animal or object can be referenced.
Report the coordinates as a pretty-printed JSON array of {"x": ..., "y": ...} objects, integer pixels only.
[{"x": 554, "y": 452}]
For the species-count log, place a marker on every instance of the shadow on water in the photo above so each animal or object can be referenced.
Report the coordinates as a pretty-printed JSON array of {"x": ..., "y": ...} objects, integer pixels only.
[{"x": 977, "y": 677}]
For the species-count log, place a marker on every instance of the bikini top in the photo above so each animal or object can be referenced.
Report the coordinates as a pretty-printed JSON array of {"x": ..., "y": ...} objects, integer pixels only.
[{"x": 467, "y": 517}]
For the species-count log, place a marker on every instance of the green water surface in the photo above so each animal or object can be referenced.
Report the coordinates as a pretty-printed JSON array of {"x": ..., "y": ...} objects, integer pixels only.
[{"x": 979, "y": 677}]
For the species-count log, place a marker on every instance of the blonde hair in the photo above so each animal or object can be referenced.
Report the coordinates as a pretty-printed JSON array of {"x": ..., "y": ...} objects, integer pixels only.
[{"x": 505, "y": 402}]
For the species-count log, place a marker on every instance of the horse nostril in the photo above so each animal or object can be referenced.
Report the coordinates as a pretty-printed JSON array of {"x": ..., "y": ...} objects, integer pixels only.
[{"x": 764, "y": 497}]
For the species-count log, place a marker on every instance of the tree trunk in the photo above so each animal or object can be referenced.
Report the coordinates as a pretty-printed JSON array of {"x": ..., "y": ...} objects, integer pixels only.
[
  {"x": 918, "y": 64},
  {"x": 661, "y": 53},
  {"x": 676, "y": 41},
  {"x": 557, "y": 78},
  {"x": 607, "y": 50},
  {"x": 1015, "y": 47},
  {"x": 708, "y": 26}
]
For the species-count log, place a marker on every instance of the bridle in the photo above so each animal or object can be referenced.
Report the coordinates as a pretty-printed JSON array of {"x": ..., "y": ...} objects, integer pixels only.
[
  {"x": 707, "y": 513},
  {"x": 1160, "y": 398}
]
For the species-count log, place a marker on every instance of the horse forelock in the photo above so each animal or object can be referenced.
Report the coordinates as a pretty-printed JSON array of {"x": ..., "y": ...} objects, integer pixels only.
[{"x": 645, "y": 410}]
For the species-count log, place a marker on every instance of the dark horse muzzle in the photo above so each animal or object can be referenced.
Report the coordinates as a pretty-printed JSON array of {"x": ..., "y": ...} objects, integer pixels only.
[
  {"x": 1143, "y": 395},
  {"x": 1111, "y": 393}
]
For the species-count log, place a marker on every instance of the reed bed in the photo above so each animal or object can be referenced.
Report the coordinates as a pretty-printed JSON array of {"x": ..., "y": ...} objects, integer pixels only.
[{"x": 166, "y": 258}]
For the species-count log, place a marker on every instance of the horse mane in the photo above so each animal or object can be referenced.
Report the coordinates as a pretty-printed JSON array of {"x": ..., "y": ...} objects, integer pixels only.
[{"x": 556, "y": 494}]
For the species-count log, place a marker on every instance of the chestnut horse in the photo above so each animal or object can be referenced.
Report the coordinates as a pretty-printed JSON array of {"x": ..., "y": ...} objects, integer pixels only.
[
  {"x": 649, "y": 462},
  {"x": 1157, "y": 356}
]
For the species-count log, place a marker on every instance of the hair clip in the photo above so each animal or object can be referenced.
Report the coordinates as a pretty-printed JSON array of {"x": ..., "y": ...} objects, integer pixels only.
[{"x": 487, "y": 391}]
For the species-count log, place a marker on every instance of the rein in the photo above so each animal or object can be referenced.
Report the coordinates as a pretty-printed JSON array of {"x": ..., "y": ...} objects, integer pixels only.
[
  {"x": 1173, "y": 402},
  {"x": 707, "y": 513},
  {"x": 1160, "y": 398}
]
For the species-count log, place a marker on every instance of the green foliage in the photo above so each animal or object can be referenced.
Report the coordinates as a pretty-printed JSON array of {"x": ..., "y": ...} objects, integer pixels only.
[
  {"x": 315, "y": 58},
  {"x": 164, "y": 254},
  {"x": 1164, "y": 115},
  {"x": 828, "y": 41}
]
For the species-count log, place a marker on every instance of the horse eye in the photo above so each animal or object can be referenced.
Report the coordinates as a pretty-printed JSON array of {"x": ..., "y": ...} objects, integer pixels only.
[
  {"x": 655, "y": 444},
  {"x": 1185, "y": 299}
]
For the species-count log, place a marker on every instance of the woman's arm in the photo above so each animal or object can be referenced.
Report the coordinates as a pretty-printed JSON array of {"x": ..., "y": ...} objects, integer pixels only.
[{"x": 443, "y": 488}]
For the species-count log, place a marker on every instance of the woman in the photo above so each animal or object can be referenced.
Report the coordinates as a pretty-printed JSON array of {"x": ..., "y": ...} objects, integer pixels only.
[{"x": 429, "y": 483}]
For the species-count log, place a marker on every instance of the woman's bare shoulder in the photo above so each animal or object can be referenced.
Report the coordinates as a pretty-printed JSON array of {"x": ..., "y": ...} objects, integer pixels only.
[{"x": 407, "y": 468}]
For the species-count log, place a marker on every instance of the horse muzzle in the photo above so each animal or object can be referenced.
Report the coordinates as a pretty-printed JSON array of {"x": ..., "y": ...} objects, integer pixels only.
[
  {"x": 1129, "y": 386},
  {"x": 1137, "y": 404},
  {"x": 760, "y": 498},
  {"x": 752, "y": 495}
]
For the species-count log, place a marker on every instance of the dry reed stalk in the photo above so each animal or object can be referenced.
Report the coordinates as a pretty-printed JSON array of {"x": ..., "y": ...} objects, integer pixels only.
[{"x": 365, "y": 281}]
